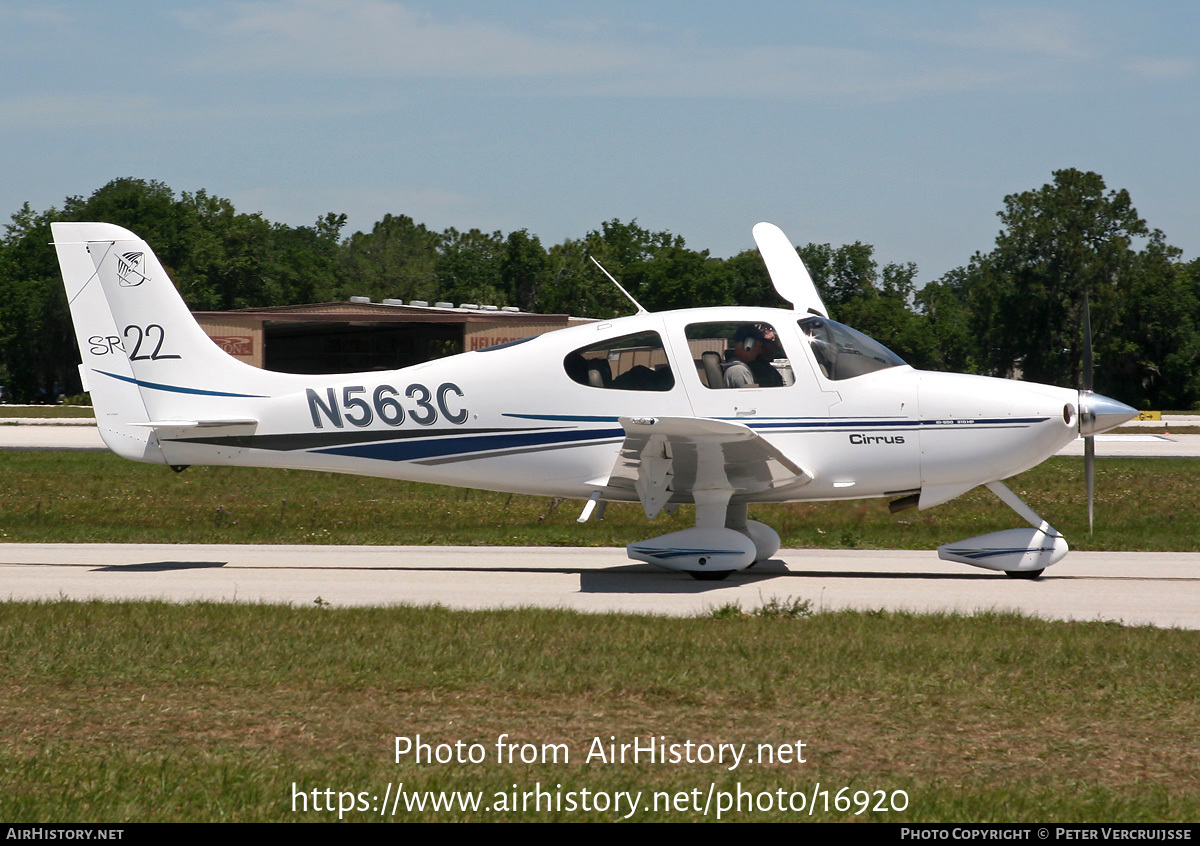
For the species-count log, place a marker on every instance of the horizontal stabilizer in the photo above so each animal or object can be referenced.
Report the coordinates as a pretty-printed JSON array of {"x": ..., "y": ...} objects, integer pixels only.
[{"x": 195, "y": 424}]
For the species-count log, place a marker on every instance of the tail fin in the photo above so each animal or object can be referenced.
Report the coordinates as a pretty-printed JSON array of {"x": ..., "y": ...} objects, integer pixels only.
[
  {"x": 146, "y": 361},
  {"x": 115, "y": 396}
]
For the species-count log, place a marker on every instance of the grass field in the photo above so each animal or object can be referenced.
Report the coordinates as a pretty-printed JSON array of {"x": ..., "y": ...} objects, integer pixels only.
[
  {"x": 141, "y": 711},
  {"x": 48, "y": 412},
  {"x": 119, "y": 712}
]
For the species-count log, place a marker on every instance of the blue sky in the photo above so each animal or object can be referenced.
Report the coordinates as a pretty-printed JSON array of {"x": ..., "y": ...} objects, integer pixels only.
[{"x": 903, "y": 125}]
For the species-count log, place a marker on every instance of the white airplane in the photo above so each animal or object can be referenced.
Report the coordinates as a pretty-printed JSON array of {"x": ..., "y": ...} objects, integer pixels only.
[{"x": 720, "y": 407}]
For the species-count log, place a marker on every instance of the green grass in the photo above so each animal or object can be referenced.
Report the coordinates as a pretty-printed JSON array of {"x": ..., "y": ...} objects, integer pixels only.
[
  {"x": 121, "y": 712},
  {"x": 145, "y": 711},
  {"x": 46, "y": 411},
  {"x": 67, "y": 496}
]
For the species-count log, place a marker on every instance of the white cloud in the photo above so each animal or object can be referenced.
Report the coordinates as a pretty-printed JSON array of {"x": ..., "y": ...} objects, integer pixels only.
[
  {"x": 56, "y": 111},
  {"x": 388, "y": 40},
  {"x": 378, "y": 38},
  {"x": 1163, "y": 69},
  {"x": 1032, "y": 31},
  {"x": 41, "y": 14}
]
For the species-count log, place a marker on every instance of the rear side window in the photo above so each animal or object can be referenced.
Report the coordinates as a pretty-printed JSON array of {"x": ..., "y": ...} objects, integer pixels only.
[{"x": 629, "y": 363}]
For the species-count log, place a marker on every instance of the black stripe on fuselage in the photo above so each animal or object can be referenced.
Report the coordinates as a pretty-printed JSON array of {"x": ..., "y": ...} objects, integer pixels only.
[{"x": 319, "y": 440}]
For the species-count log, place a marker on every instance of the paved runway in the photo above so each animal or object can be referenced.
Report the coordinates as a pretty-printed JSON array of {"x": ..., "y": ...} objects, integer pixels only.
[
  {"x": 1161, "y": 589},
  {"x": 1139, "y": 446}
]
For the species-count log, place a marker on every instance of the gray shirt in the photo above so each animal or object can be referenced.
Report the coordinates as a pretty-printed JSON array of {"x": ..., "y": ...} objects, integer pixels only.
[{"x": 738, "y": 375}]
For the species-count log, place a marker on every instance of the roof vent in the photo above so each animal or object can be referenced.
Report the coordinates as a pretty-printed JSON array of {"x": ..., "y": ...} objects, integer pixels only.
[
  {"x": 360, "y": 299},
  {"x": 489, "y": 308},
  {"x": 392, "y": 302},
  {"x": 471, "y": 306},
  {"x": 419, "y": 303},
  {"x": 510, "y": 309},
  {"x": 443, "y": 305}
]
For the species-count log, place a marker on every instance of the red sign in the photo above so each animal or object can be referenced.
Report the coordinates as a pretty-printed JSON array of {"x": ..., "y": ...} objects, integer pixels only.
[
  {"x": 235, "y": 344},
  {"x": 479, "y": 342}
]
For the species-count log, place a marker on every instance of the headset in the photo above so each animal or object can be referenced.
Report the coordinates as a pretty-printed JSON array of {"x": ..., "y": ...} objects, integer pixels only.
[{"x": 751, "y": 339}]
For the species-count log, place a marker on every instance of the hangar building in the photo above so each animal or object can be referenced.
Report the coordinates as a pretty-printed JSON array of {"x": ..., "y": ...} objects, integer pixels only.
[{"x": 361, "y": 335}]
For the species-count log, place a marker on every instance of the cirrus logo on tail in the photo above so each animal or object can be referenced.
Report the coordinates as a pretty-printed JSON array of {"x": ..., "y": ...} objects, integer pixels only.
[{"x": 129, "y": 269}]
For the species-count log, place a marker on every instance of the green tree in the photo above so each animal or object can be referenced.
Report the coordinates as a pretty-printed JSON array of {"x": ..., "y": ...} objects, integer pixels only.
[
  {"x": 574, "y": 285},
  {"x": 306, "y": 259},
  {"x": 524, "y": 269},
  {"x": 397, "y": 258},
  {"x": 218, "y": 258},
  {"x": 1152, "y": 350},
  {"x": 876, "y": 301},
  {"x": 843, "y": 273},
  {"x": 468, "y": 267},
  {"x": 947, "y": 321},
  {"x": 657, "y": 268},
  {"x": 36, "y": 339},
  {"x": 748, "y": 283},
  {"x": 1025, "y": 297}
]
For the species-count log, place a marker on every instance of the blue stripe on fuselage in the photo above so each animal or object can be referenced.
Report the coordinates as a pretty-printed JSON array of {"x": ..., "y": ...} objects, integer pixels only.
[
  {"x": 409, "y": 450},
  {"x": 176, "y": 389},
  {"x": 821, "y": 422}
]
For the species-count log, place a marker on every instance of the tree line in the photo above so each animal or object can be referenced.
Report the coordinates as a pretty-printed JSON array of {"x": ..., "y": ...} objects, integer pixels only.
[{"x": 1015, "y": 310}]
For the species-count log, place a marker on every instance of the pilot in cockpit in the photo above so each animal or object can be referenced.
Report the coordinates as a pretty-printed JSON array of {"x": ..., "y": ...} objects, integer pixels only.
[{"x": 754, "y": 349}]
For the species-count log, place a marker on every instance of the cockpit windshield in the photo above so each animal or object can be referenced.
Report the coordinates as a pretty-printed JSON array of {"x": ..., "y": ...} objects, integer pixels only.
[{"x": 844, "y": 353}]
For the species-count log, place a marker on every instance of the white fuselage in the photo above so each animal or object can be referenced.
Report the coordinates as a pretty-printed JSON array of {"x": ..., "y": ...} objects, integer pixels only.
[{"x": 514, "y": 419}]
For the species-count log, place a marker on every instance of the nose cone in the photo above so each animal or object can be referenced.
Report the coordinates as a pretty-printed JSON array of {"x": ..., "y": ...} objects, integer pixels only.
[{"x": 1099, "y": 413}]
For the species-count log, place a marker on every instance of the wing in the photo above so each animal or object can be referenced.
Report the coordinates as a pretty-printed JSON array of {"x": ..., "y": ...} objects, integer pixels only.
[{"x": 667, "y": 459}]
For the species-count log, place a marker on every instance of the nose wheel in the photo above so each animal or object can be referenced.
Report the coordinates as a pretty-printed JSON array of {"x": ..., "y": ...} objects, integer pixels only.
[
  {"x": 1019, "y": 553},
  {"x": 709, "y": 575}
]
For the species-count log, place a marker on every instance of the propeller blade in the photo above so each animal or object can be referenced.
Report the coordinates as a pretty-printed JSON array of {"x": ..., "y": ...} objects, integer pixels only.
[
  {"x": 1086, "y": 375},
  {"x": 1089, "y": 472}
]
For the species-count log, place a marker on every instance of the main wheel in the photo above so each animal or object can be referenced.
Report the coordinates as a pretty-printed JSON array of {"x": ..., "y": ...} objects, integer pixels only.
[
  {"x": 709, "y": 575},
  {"x": 1024, "y": 574}
]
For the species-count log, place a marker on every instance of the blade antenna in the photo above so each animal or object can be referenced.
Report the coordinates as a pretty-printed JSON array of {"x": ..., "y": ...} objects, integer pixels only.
[
  {"x": 628, "y": 296},
  {"x": 1089, "y": 441}
]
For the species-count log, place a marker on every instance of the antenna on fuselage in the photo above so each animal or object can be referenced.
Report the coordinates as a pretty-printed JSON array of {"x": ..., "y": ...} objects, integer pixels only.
[{"x": 628, "y": 296}]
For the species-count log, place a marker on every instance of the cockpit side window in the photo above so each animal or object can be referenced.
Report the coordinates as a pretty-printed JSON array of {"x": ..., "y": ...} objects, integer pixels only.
[
  {"x": 738, "y": 355},
  {"x": 629, "y": 363},
  {"x": 844, "y": 353}
]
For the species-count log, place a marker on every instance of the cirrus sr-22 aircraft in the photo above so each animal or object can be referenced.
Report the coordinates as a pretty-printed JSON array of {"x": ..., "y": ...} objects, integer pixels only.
[{"x": 718, "y": 407}]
